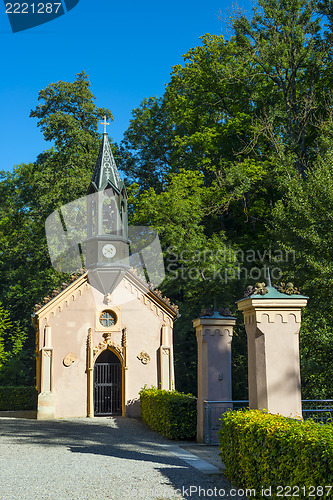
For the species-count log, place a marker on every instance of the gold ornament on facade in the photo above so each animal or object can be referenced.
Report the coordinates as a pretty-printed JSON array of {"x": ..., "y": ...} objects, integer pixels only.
[
  {"x": 124, "y": 338},
  {"x": 107, "y": 342},
  {"x": 287, "y": 288},
  {"x": 144, "y": 357},
  {"x": 258, "y": 289},
  {"x": 69, "y": 359}
]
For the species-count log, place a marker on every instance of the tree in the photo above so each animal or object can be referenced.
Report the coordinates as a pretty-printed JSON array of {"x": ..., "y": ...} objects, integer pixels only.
[
  {"x": 68, "y": 116},
  {"x": 291, "y": 53},
  {"x": 241, "y": 108},
  {"x": 249, "y": 116},
  {"x": 303, "y": 221},
  {"x": 198, "y": 264},
  {"x": 316, "y": 349},
  {"x": 146, "y": 150},
  {"x": 15, "y": 366}
]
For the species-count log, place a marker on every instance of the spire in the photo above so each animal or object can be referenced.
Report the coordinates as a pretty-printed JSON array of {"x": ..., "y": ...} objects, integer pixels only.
[
  {"x": 105, "y": 172},
  {"x": 269, "y": 283}
]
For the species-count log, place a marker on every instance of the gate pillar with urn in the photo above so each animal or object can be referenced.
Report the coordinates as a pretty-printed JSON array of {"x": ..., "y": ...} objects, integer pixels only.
[
  {"x": 214, "y": 330},
  {"x": 272, "y": 317}
]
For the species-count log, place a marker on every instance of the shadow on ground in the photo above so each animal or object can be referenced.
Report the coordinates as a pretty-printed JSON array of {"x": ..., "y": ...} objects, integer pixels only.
[{"x": 124, "y": 443}]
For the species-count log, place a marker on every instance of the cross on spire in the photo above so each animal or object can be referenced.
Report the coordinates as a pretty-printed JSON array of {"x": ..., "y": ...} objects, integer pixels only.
[{"x": 105, "y": 123}]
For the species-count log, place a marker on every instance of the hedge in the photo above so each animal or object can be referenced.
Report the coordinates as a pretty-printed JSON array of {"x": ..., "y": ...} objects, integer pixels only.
[
  {"x": 18, "y": 398},
  {"x": 171, "y": 413},
  {"x": 261, "y": 450}
]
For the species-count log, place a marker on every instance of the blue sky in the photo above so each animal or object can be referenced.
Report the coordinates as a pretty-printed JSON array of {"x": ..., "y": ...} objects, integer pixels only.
[{"x": 127, "y": 49}]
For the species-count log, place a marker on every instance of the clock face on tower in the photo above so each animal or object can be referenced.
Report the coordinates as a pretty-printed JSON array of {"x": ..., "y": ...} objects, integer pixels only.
[{"x": 109, "y": 250}]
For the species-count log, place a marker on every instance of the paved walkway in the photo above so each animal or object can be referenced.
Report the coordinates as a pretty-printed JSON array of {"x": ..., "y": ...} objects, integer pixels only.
[{"x": 102, "y": 458}]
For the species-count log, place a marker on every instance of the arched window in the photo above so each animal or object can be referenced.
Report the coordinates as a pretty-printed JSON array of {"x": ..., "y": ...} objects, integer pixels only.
[{"x": 110, "y": 211}]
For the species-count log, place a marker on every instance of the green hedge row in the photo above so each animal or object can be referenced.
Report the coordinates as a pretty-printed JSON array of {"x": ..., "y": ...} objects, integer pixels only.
[
  {"x": 18, "y": 398},
  {"x": 263, "y": 451},
  {"x": 171, "y": 413}
]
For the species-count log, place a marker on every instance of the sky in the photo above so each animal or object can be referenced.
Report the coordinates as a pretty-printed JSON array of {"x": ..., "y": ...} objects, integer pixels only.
[{"x": 127, "y": 48}]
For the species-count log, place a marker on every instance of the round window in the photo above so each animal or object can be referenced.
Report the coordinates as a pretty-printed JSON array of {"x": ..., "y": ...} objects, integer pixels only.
[{"x": 108, "y": 318}]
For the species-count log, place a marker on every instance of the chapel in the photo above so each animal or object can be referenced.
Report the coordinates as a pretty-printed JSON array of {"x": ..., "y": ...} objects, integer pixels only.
[{"x": 107, "y": 332}]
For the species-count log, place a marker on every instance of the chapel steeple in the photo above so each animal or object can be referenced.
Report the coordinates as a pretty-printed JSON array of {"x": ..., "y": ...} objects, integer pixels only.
[
  {"x": 107, "y": 245},
  {"x": 111, "y": 214},
  {"x": 105, "y": 173}
]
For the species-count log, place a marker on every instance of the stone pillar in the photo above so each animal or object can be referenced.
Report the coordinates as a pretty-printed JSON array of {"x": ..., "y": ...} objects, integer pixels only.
[
  {"x": 172, "y": 361},
  {"x": 90, "y": 369},
  {"x": 214, "y": 337},
  {"x": 165, "y": 360},
  {"x": 46, "y": 398},
  {"x": 272, "y": 322},
  {"x": 124, "y": 371}
]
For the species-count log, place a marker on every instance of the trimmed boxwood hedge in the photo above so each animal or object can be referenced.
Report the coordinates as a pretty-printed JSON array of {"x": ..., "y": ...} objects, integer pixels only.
[
  {"x": 261, "y": 450},
  {"x": 18, "y": 398},
  {"x": 171, "y": 413}
]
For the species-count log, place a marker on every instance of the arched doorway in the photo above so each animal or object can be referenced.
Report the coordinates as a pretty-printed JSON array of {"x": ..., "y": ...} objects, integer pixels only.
[{"x": 107, "y": 384}]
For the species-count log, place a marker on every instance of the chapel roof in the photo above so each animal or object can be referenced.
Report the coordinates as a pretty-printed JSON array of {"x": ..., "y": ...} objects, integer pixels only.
[{"x": 131, "y": 275}]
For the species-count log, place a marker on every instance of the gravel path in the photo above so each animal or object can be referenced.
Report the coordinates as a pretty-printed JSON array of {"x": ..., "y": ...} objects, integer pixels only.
[{"x": 100, "y": 458}]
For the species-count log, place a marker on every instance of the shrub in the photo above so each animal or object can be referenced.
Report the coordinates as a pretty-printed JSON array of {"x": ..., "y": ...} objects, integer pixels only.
[
  {"x": 261, "y": 450},
  {"x": 18, "y": 398},
  {"x": 171, "y": 413}
]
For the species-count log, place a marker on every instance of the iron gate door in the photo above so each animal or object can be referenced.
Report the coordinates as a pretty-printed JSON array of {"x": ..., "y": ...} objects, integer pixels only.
[{"x": 107, "y": 385}]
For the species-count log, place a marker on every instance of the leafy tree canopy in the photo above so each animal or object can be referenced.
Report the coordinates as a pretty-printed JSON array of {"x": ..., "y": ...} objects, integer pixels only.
[
  {"x": 234, "y": 157},
  {"x": 68, "y": 116},
  {"x": 248, "y": 125}
]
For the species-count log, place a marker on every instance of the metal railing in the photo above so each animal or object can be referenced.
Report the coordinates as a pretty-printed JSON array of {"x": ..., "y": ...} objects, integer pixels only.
[
  {"x": 212, "y": 414},
  {"x": 318, "y": 410}
]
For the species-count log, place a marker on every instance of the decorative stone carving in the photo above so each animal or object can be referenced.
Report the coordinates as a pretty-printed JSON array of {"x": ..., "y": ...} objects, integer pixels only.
[
  {"x": 107, "y": 342},
  {"x": 288, "y": 289},
  {"x": 210, "y": 311},
  {"x": 107, "y": 299},
  {"x": 225, "y": 311},
  {"x": 258, "y": 289},
  {"x": 124, "y": 338},
  {"x": 69, "y": 359},
  {"x": 144, "y": 357}
]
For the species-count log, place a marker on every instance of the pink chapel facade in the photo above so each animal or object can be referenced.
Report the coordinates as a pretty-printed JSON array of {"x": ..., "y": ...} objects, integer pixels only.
[
  {"x": 71, "y": 338},
  {"x": 106, "y": 334}
]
